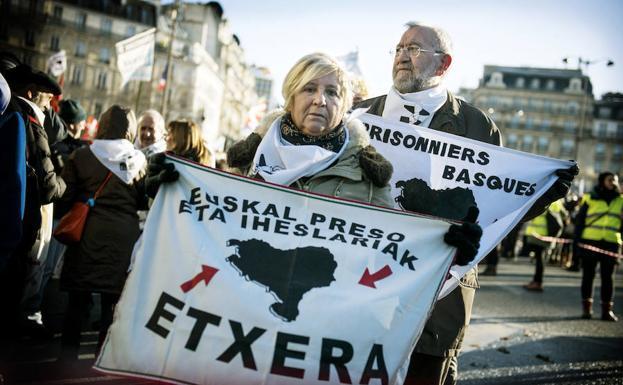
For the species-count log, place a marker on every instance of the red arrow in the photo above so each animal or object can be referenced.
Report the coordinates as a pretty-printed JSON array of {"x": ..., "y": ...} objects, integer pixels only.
[
  {"x": 368, "y": 279},
  {"x": 207, "y": 272}
]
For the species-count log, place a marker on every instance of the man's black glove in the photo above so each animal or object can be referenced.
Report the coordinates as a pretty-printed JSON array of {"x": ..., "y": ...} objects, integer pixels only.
[
  {"x": 465, "y": 237},
  {"x": 159, "y": 172},
  {"x": 561, "y": 187}
]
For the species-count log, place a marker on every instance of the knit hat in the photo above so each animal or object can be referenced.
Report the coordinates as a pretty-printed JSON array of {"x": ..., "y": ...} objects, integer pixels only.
[{"x": 71, "y": 111}]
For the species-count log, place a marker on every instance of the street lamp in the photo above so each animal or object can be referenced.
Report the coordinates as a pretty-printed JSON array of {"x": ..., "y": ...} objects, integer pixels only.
[{"x": 583, "y": 113}]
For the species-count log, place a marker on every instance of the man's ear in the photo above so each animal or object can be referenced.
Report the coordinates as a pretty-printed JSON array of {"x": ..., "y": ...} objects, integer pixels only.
[
  {"x": 446, "y": 60},
  {"x": 29, "y": 94}
]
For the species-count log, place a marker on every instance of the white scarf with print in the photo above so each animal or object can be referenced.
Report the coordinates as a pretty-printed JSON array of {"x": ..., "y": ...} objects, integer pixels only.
[
  {"x": 120, "y": 157},
  {"x": 281, "y": 162},
  {"x": 415, "y": 108}
]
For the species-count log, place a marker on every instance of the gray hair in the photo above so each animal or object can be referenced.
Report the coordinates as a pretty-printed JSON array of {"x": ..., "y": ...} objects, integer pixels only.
[
  {"x": 158, "y": 120},
  {"x": 443, "y": 41}
]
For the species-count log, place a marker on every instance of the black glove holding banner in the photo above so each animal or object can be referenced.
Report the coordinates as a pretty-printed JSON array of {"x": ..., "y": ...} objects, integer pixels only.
[
  {"x": 159, "y": 172},
  {"x": 561, "y": 187},
  {"x": 465, "y": 237}
]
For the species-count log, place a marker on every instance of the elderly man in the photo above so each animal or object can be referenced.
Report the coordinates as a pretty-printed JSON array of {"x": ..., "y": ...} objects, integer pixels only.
[
  {"x": 32, "y": 91},
  {"x": 151, "y": 132},
  {"x": 418, "y": 96}
]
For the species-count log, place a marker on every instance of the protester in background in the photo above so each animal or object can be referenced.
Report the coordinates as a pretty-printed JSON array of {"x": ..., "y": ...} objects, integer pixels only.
[
  {"x": 151, "y": 132},
  {"x": 73, "y": 118},
  {"x": 548, "y": 224},
  {"x": 99, "y": 262},
  {"x": 184, "y": 138},
  {"x": 492, "y": 262},
  {"x": 422, "y": 58},
  {"x": 32, "y": 91},
  {"x": 599, "y": 224},
  {"x": 360, "y": 90}
]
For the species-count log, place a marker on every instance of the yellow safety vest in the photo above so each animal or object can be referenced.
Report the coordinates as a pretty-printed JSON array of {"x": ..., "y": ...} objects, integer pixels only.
[
  {"x": 538, "y": 225},
  {"x": 603, "y": 221}
]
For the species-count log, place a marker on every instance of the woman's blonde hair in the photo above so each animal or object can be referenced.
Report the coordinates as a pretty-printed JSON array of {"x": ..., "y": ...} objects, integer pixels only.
[
  {"x": 314, "y": 66},
  {"x": 188, "y": 141}
]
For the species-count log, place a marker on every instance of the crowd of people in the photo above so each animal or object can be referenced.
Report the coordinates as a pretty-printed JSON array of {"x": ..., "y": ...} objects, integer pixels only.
[{"x": 47, "y": 168}]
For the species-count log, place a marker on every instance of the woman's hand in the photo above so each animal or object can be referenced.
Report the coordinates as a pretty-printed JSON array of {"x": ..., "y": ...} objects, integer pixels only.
[
  {"x": 465, "y": 237},
  {"x": 159, "y": 172}
]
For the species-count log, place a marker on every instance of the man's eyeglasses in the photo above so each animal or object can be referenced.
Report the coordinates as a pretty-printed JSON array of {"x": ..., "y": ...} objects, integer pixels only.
[{"x": 412, "y": 50}]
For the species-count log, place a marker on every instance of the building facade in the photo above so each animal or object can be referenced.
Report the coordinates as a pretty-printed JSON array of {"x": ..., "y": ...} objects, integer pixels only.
[
  {"x": 87, "y": 31},
  {"x": 543, "y": 111},
  {"x": 608, "y": 134}
]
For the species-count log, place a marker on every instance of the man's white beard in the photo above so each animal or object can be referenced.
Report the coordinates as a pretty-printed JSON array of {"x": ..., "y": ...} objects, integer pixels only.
[{"x": 414, "y": 83}]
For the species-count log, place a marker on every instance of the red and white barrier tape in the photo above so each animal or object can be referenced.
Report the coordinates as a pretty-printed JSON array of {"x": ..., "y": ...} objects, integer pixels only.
[{"x": 582, "y": 245}]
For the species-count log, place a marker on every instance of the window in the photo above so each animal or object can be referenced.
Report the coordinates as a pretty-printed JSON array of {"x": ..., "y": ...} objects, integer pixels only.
[
  {"x": 511, "y": 141},
  {"x": 604, "y": 112},
  {"x": 550, "y": 85},
  {"x": 54, "y": 43},
  {"x": 526, "y": 145},
  {"x": 543, "y": 145},
  {"x": 566, "y": 147},
  {"x": 106, "y": 25},
  {"x": 81, "y": 20},
  {"x": 600, "y": 151},
  {"x": 104, "y": 55},
  {"x": 535, "y": 84},
  {"x": 29, "y": 38},
  {"x": 572, "y": 108},
  {"x": 77, "y": 75},
  {"x": 57, "y": 13},
  {"x": 546, "y": 125},
  {"x": 547, "y": 105},
  {"x": 102, "y": 80},
  {"x": 81, "y": 49},
  {"x": 617, "y": 152},
  {"x": 601, "y": 130},
  {"x": 520, "y": 83},
  {"x": 529, "y": 123},
  {"x": 620, "y": 131},
  {"x": 570, "y": 126},
  {"x": 496, "y": 80},
  {"x": 130, "y": 31},
  {"x": 575, "y": 85},
  {"x": 97, "y": 109}
]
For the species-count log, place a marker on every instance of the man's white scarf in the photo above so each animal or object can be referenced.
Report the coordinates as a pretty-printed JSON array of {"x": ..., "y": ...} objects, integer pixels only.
[
  {"x": 281, "y": 162},
  {"x": 120, "y": 157},
  {"x": 416, "y": 107},
  {"x": 35, "y": 108},
  {"x": 154, "y": 148}
]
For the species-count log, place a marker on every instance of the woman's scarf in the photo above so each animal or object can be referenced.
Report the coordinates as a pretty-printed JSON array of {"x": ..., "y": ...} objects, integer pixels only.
[
  {"x": 120, "y": 157},
  {"x": 286, "y": 154},
  {"x": 415, "y": 108}
]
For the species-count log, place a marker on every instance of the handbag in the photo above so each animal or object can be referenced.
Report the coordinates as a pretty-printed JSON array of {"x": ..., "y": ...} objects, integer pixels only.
[{"x": 70, "y": 227}]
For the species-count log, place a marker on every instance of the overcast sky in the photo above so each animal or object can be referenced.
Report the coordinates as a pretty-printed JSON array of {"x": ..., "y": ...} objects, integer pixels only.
[{"x": 536, "y": 33}]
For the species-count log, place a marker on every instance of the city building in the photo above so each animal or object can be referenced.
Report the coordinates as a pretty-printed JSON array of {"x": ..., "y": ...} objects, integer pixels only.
[
  {"x": 608, "y": 134},
  {"x": 545, "y": 111},
  {"x": 87, "y": 31}
]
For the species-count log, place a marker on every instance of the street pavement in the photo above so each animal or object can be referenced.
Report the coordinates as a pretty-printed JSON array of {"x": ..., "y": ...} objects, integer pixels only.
[
  {"x": 523, "y": 337},
  {"x": 516, "y": 337}
]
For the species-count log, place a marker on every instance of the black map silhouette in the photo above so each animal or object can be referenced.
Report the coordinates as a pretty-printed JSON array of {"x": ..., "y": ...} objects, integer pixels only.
[
  {"x": 415, "y": 195},
  {"x": 287, "y": 274}
]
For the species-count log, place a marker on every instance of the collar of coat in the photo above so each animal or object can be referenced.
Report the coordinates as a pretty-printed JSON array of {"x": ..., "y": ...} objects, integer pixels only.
[{"x": 358, "y": 150}]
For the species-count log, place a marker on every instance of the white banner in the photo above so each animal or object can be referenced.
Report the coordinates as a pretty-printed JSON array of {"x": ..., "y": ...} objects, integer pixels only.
[
  {"x": 135, "y": 56},
  {"x": 443, "y": 174},
  {"x": 57, "y": 63},
  {"x": 238, "y": 281}
]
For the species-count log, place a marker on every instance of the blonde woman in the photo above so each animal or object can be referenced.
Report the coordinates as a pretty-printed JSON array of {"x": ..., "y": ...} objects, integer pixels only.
[{"x": 184, "y": 138}]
